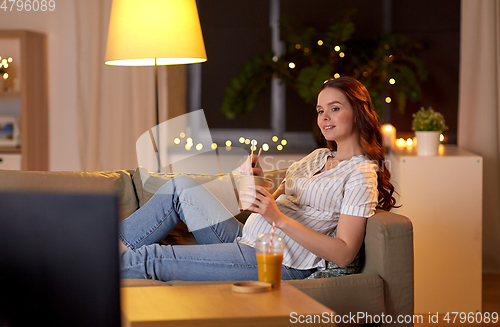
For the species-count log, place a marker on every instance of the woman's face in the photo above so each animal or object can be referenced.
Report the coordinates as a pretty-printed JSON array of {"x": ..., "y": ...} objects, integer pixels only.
[{"x": 335, "y": 115}]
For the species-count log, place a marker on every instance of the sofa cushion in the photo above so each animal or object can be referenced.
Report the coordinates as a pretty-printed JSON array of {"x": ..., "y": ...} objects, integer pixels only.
[
  {"x": 223, "y": 187},
  {"x": 334, "y": 270},
  {"x": 117, "y": 182},
  {"x": 147, "y": 184}
]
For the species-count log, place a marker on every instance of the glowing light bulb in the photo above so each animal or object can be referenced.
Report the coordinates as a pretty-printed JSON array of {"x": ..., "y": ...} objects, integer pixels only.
[
  {"x": 337, "y": 75},
  {"x": 283, "y": 142},
  {"x": 265, "y": 147},
  {"x": 279, "y": 147},
  {"x": 388, "y": 128},
  {"x": 199, "y": 146},
  {"x": 392, "y": 81},
  {"x": 10, "y": 59},
  {"x": 320, "y": 42},
  {"x": 187, "y": 147},
  {"x": 229, "y": 143},
  {"x": 291, "y": 65},
  {"x": 247, "y": 141},
  {"x": 297, "y": 46},
  {"x": 388, "y": 100},
  {"x": 189, "y": 140},
  {"x": 214, "y": 146},
  {"x": 401, "y": 142},
  {"x": 409, "y": 142},
  {"x": 253, "y": 148},
  {"x": 275, "y": 139},
  {"x": 177, "y": 140},
  {"x": 241, "y": 139},
  {"x": 5, "y": 76},
  {"x": 254, "y": 142},
  {"x": 182, "y": 135},
  {"x": 441, "y": 138},
  {"x": 337, "y": 48},
  {"x": 341, "y": 55}
]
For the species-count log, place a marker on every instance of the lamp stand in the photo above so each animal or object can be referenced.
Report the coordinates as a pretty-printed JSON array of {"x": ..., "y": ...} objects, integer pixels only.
[{"x": 157, "y": 111}]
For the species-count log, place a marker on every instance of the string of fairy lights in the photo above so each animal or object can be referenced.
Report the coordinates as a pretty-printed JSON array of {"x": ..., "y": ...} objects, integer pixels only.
[
  {"x": 189, "y": 144},
  {"x": 341, "y": 54}
]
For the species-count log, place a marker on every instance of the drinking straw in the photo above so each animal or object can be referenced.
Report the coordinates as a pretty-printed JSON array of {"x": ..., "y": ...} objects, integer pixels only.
[{"x": 272, "y": 236}]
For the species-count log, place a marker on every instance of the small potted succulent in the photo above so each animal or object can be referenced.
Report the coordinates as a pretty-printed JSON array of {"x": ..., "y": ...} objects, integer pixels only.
[{"x": 428, "y": 125}]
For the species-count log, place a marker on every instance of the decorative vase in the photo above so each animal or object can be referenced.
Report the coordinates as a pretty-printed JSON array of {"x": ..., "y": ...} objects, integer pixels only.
[{"x": 427, "y": 143}]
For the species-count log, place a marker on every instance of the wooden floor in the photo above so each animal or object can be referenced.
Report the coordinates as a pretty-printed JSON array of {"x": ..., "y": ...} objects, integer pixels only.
[{"x": 491, "y": 303}]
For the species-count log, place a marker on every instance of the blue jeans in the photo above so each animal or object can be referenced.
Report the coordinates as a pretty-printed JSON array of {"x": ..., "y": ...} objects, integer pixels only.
[{"x": 218, "y": 257}]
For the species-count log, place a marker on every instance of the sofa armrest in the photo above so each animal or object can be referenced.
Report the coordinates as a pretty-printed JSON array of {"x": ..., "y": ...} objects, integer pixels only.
[{"x": 389, "y": 254}]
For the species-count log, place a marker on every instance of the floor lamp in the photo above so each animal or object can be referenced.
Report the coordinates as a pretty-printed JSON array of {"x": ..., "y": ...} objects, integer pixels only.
[{"x": 153, "y": 33}]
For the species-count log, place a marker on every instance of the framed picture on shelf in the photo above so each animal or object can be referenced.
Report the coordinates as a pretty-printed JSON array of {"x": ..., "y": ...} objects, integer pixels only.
[{"x": 9, "y": 131}]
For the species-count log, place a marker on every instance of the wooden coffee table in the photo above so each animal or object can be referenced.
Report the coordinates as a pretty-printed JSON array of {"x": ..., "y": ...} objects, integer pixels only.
[{"x": 217, "y": 305}]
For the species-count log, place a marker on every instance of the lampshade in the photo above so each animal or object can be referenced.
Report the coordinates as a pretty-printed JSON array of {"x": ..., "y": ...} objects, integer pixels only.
[{"x": 168, "y": 30}]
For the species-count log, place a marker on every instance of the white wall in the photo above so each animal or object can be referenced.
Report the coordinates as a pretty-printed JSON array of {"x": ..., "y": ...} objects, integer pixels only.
[{"x": 59, "y": 26}]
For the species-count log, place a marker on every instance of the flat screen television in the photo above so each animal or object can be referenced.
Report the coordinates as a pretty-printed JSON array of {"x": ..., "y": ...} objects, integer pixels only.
[{"x": 59, "y": 260}]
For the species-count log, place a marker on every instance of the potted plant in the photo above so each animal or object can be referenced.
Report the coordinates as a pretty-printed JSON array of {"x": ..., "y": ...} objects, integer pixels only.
[{"x": 428, "y": 125}]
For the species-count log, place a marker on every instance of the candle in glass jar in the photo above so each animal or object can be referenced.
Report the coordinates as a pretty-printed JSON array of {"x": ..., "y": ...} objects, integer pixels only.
[
  {"x": 401, "y": 143},
  {"x": 389, "y": 135}
]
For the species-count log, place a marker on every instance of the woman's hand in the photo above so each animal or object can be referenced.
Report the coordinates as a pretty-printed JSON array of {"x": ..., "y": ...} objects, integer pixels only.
[
  {"x": 251, "y": 166},
  {"x": 257, "y": 199}
]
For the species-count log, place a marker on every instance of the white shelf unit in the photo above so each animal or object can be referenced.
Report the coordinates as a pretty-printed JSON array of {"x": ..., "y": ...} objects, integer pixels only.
[
  {"x": 30, "y": 97},
  {"x": 442, "y": 196}
]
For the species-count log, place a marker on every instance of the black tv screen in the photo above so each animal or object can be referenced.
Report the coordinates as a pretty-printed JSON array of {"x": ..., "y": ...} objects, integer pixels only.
[{"x": 59, "y": 260}]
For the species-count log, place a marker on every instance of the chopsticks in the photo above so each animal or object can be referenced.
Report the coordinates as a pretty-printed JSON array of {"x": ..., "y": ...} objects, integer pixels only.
[{"x": 258, "y": 155}]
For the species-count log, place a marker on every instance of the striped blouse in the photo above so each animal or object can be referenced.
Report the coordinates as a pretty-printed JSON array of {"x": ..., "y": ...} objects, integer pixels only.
[{"x": 317, "y": 199}]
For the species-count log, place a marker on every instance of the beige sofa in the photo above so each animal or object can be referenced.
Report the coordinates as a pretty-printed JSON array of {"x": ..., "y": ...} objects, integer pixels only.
[{"x": 384, "y": 286}]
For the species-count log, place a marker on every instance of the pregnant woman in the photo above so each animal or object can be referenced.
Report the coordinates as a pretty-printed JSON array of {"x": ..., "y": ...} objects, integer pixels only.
[{"x": 338, "y": 187}]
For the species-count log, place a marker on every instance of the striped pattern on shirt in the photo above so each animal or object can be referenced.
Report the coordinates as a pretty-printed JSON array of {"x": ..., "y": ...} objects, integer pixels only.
[{"x": 317, "y": 199}]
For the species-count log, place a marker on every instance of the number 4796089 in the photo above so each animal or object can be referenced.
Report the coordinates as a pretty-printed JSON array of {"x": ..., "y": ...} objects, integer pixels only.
[
  {"x": 471, "y": 317},
  {"x": 28, "y": 5}
]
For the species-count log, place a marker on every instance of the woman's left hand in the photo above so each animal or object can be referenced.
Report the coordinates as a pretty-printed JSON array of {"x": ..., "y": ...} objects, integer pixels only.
[
  {"x": 250, "y": 166},
  {"x": 261, "y": 202}
]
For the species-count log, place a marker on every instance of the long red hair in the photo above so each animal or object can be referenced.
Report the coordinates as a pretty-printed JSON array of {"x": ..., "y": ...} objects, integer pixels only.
[{"x": 370, "y": 135}]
